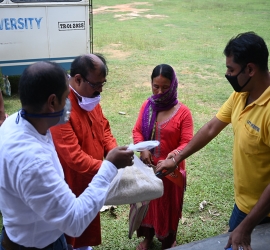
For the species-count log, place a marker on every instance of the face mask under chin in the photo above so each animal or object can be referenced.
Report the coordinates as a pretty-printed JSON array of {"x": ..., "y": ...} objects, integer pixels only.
[{"x": 64, "y": 114}]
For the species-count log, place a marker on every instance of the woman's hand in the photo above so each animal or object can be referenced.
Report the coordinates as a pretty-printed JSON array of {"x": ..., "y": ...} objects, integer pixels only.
[
  {"x": 170, "y": 155},
  {"x": 146, "y": 157}
]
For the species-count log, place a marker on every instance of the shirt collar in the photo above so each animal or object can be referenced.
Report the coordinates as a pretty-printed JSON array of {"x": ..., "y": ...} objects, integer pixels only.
[{"x": 265, "y": 96}]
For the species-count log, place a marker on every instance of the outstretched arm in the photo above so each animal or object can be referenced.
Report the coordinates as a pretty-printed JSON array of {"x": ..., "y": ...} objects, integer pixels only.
[
  {"x": 241, "y": 236},
  {"x": 209, "y": 131}
]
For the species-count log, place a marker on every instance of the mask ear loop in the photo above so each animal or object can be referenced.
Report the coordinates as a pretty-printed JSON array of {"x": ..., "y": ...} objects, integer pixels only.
[
  {"x": 46, "y": 115},
  {"x": 22, "y": 113},
  {"x": 247, "y": 80},
  {"x": 18, "y": 117}
]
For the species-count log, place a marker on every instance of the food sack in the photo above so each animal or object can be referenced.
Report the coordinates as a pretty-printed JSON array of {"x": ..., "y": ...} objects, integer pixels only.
[{"x": 134, "y": 184}]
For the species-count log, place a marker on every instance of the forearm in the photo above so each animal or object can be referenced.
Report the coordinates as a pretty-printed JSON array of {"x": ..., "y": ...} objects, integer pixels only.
[
  {"x": 209, "y": 131},
  {"x": 62, "y": 209},
  {"x": 89, "y": 203}
]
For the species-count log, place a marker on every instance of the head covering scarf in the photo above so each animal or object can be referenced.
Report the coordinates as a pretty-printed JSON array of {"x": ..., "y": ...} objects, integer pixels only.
[{"x": 156, "y": 103}]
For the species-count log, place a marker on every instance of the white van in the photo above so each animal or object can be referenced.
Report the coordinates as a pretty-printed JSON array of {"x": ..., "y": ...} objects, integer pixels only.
[{"x": 35, "y": 30}]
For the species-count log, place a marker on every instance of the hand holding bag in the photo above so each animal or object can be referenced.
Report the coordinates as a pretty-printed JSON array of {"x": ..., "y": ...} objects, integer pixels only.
[{"x": 133, "y": 184}]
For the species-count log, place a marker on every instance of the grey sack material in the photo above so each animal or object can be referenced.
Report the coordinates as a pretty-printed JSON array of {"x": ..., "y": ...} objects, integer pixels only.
[
  {"x": 134, "y": 184},
  {"x": 137, "y": 213}
]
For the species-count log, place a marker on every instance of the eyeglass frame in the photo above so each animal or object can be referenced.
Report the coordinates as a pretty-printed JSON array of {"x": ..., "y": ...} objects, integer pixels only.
[{"x": 95, "y": 86}]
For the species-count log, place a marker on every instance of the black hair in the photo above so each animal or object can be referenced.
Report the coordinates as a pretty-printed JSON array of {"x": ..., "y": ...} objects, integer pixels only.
[
  {"x": 85, "y": 63},
  {"x": 248, "y": 48},
  {"x": 39, "y": 81},
  {"x": 163, "y": 69}
]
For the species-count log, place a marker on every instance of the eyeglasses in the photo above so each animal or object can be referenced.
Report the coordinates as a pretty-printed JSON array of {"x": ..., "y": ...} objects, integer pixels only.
[{"x": 96, "y": 85}]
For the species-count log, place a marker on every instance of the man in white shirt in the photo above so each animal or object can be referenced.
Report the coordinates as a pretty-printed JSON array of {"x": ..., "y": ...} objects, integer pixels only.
[{"x": 36, "y": 203}]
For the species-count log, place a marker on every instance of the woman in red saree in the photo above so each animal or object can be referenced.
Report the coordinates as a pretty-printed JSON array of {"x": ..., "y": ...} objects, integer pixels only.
[{"x": 162, "y": 117}]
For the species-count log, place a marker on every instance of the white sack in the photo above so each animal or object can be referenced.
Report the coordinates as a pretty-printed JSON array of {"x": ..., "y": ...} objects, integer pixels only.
[{"x": 134, "y": 184}]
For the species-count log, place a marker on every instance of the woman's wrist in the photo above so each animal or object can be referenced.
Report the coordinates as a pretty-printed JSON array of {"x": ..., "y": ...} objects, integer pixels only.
[{"x": 176, "y": 151}]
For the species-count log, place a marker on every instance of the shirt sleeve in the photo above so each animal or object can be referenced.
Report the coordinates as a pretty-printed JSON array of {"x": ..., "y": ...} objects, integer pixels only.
[
  {"x": 137, "y": 129},
  {"x": 225, "y": 112},
  {"x": 48, "y": 195}
]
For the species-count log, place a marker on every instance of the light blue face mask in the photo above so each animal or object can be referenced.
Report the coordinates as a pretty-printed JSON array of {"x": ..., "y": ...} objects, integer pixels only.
[{"x": 64, "y": 114}]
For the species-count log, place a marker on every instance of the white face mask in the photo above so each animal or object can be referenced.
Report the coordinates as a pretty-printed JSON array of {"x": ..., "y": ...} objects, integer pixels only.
[{"x": 88, "y": 104}]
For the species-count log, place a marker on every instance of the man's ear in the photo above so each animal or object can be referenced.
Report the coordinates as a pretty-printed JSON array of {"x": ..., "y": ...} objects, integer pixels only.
[
  {"x": 78, "y": 79},
  {"x": 252, "y": 69},
  {"x": 52, "y": 102}
]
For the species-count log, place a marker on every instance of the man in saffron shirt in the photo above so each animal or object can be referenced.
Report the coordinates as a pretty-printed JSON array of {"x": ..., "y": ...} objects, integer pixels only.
[{"x": 85, "y": 140}]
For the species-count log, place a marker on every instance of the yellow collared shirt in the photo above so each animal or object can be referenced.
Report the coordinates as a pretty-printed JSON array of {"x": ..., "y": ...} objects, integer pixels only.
[{"x": 251, "y": 150}]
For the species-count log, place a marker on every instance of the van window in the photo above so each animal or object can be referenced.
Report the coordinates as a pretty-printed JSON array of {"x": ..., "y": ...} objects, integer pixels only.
[{"x": 42, "y": 1}]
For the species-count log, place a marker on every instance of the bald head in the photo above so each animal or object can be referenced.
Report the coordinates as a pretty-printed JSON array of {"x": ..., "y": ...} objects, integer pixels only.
[
  {"x": 89, "y": 63},
  {"x": 39, "y": 81}
]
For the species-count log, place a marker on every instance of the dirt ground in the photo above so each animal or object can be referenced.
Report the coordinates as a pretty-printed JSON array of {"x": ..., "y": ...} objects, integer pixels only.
[{"x": 129, "y": 11}]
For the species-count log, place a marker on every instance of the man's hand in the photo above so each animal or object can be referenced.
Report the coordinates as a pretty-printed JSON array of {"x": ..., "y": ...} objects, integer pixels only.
[
  {"x": 168, "y": 165},
  {"x": 146, "y": 157},
  {"x": 239, "y": 238},
  {"x": 121, "y": 157}
]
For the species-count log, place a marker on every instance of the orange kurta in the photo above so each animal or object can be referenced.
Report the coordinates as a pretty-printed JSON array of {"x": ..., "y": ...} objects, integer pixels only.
[
  {"x": 81, "y": 144},
  {"x": 164, "y": 213}
]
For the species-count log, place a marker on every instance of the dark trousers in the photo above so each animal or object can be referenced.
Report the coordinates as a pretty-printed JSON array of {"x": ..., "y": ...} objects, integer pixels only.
[
  {"x": 237, "y": 217},
  {"x": 7, "y": 244}
]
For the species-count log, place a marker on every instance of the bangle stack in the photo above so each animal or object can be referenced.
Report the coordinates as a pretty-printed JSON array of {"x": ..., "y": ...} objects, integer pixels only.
[{"x": 176, "y": 152}]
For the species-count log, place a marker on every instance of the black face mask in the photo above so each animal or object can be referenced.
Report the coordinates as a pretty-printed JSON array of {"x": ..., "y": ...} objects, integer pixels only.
[{"x": 234, "y": 81}]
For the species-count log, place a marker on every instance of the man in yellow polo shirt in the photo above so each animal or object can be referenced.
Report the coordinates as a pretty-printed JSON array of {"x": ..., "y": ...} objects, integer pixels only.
[{"x": 248, "y": 109}]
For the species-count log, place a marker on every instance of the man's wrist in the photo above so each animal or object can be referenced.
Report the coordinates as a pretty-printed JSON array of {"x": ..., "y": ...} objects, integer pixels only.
[
  {"x": 175, "y": 163},
  {"x": 247, "y": 225}
]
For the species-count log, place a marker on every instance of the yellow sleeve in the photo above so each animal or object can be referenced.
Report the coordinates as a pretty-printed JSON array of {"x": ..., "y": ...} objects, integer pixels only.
[{"x": 225, "y": 112}]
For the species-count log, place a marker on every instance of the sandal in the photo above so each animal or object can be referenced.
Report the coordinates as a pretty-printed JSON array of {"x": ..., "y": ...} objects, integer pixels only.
[{"x": 141, "y": 247}]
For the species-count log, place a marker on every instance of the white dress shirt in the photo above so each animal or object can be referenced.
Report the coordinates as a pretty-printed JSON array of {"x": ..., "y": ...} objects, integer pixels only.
[{"x": 36, "y": 203}]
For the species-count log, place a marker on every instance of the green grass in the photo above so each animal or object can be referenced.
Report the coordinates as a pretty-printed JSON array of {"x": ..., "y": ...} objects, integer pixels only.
[{"x": 190, "y": 35}]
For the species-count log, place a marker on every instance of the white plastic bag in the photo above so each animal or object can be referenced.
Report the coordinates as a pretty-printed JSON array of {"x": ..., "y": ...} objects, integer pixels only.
[
  {"x": 144, "y": 145},
  {"x": 134, "y": 184}
]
